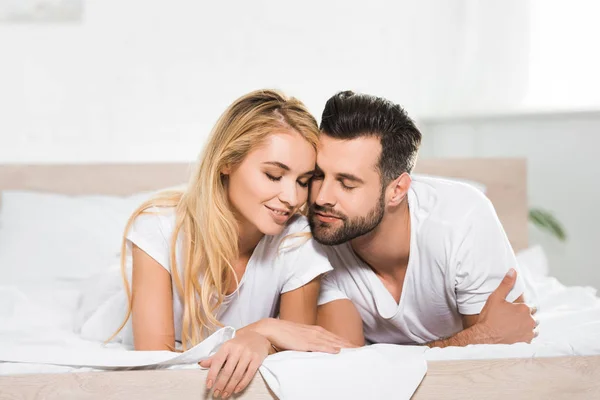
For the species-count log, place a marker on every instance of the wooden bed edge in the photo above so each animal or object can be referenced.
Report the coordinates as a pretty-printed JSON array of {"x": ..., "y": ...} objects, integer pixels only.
[{"x": 572, "y": 377}]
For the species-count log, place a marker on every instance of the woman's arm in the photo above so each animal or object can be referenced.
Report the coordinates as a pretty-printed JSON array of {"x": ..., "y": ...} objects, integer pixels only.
[
  {"x": 296, "y": 328},
  {"x": 342, "y": 318},
  {"x": 152, "y": 304},
  {"x": 236, "y": 362},
  {"x": 300, "y": 305}
]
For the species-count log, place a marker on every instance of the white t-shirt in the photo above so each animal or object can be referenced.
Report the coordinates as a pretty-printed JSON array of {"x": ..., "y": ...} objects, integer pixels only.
[
  {"x": 274, "y": 267},
  {"x": 459, "y": 254}
]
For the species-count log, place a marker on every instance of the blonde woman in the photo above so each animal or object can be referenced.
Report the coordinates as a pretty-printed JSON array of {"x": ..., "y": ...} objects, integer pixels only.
[{"x": 232, "y": 248}]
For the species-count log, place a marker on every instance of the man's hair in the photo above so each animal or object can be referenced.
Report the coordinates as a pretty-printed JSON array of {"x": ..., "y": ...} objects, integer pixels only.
[{"x": 348, "y": 115}]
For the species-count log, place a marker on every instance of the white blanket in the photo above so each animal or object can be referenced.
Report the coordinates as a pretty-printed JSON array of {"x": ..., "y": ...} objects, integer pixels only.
[
  {"x": 37, "y": 322},
  {"x": 37, "y": 336},
  {"x": 94, "y": 355}
]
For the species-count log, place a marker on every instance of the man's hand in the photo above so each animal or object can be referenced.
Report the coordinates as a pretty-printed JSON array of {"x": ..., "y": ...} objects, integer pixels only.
[
  {"x": 498, "y": 322},
  {"x": 504, "y": 322}
]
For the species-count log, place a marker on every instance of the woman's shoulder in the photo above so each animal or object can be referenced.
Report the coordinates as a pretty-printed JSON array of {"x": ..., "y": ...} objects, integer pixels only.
[{"x": 155, "y": 221}]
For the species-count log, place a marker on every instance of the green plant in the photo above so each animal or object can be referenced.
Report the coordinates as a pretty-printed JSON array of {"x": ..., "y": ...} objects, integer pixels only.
[{"x": 546, "y": 221}]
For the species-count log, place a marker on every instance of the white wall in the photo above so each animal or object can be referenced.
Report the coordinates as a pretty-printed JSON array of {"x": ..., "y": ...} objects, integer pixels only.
[
  {"x": 563, "y": 175},
  {"x": 146, "y": 79},
  {"x": 563, "y": 62}
]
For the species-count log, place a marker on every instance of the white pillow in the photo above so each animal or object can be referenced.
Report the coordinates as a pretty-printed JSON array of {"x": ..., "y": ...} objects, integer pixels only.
[
  {"x": 45, "y": 235},
  {"x": 533, "y": 267}
]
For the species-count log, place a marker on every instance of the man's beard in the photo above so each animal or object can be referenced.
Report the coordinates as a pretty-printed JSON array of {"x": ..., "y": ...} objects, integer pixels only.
[{"x": 326, "y": 234}]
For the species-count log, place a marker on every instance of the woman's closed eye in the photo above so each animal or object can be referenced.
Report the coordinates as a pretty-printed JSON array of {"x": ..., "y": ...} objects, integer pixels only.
[
  {"x": 304, "y": 183},
  {"x": 273, "y": 178},
  {"x": 301, "y": 182}
]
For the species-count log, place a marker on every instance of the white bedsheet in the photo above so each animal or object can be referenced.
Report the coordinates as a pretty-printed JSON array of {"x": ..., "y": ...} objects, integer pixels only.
[{"x": 37, "y": 336}]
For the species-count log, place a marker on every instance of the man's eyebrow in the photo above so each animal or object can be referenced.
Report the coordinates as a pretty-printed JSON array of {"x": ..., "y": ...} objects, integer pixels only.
[
  {"x": 350, "y": 177},
  {"x": 341, "y": 175}
]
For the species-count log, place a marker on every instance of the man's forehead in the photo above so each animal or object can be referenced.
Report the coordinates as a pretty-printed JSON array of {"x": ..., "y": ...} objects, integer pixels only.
[{"x": 348, "y": 156}]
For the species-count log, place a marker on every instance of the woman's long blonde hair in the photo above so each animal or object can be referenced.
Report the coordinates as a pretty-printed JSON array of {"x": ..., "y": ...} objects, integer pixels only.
[{"x": 202, "y": 210}]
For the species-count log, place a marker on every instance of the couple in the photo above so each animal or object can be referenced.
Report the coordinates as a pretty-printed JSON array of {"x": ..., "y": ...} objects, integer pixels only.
[{"x": 381, "y": 258}]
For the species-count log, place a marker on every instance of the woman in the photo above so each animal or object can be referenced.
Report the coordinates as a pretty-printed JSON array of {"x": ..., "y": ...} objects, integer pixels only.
[{"x": 232, "y": 248}]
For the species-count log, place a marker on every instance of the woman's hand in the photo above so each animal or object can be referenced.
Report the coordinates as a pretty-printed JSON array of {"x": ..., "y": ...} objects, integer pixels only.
[
  {"x": 234, "y": 365},
  {"x": 287, "y": 335}
]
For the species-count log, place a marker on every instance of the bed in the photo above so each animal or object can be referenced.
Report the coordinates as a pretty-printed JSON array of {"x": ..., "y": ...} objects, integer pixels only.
[{"x": 561, "y": 368}]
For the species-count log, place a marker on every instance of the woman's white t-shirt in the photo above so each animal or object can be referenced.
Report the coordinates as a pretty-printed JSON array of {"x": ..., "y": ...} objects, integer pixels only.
[{"x": 275, "y": 267}]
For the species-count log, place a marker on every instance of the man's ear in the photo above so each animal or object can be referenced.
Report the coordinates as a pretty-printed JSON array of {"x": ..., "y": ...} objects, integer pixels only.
[{"x": 398, "y": 188}]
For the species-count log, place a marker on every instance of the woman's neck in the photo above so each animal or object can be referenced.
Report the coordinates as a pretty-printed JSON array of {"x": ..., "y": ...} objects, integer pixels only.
[{"x": 248, "y": 239}]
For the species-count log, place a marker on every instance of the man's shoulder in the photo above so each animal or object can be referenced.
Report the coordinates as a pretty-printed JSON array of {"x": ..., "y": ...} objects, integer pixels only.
[
  {"x": 445, "y": 203},
  {"x": 444, "y": 211}
]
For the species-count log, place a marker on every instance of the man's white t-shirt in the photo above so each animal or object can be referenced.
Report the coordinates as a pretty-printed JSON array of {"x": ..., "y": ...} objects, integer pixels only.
[
  {"x": 459, "y": 254},
  {"x": 276, "y": 266}
]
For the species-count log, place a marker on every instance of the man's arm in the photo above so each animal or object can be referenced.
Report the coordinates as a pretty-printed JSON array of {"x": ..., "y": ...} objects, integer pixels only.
[
  {"x": 342, "y": 318},
  {"x": 498, "y": 322},
  {"x": 482, "y": 257},
  {"x": 470, "y": 320}
]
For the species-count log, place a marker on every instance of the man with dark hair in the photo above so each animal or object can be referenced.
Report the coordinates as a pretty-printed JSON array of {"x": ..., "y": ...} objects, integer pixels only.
[{"x": 416, "y": 260}]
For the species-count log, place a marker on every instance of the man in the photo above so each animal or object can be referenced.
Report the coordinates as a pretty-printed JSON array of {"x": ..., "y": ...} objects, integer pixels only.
[{"x": 416, "y": 261}]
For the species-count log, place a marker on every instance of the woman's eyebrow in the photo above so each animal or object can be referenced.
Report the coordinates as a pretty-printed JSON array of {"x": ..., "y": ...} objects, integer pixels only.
[
  {"x": 278, "y": 164},
  {"x": 286, "y": 168}
]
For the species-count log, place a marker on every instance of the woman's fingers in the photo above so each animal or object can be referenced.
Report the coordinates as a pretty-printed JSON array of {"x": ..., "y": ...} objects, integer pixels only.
[
  {"x": 250, "y": 372},
  {"x": 331, "y": 346},
  {"x": 206, "y": 363},
  {"x": 333, "y": 339},
  {"x": 215, "y": 363},
  {"x": 237, "y": 375},
  {"x": 225, "y": 374},
  {"x": 340, "y": 341},
  {"x": 325, "y": 348}
]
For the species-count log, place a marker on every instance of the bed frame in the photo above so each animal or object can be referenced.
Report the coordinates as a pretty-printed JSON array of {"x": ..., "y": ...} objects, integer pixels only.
[{"x": 505, "y": 181}]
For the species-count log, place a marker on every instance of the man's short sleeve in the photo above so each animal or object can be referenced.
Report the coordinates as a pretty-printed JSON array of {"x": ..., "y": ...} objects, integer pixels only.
[{"x": 483, "y": 258}]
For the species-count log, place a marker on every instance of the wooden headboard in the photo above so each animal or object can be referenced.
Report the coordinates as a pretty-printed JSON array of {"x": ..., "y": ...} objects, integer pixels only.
[{"x": 505, "y": 181}]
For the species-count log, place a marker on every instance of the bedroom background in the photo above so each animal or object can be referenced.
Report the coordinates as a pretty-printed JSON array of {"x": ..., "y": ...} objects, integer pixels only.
[{"x": 143, "y": 81}]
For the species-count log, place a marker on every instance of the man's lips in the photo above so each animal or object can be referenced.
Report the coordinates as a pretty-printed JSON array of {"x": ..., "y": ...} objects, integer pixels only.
[{"x": 326, "y": 217}]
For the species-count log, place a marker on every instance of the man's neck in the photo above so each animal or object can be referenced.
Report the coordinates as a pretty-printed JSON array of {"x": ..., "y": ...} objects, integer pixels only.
[{"x": 386, "y": 249}]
